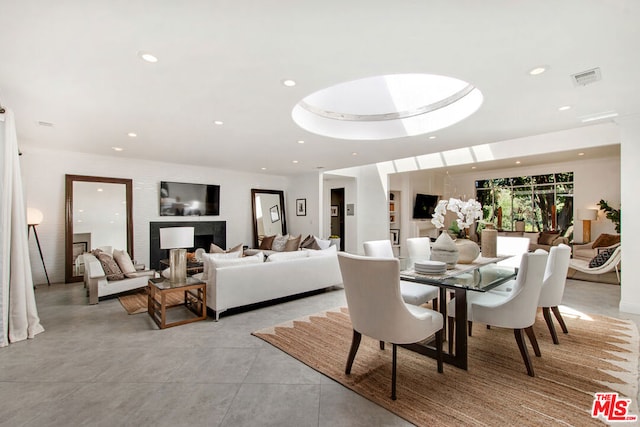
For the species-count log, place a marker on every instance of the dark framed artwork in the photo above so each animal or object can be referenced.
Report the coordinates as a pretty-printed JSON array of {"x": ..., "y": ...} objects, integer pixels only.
[
  {"x": 301, "y": 207},
  {"x": 334, "y": 210},
  {"x": 275, "y": 213}
]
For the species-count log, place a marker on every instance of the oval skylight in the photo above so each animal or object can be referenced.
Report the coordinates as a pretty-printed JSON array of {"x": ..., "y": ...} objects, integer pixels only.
[{"x": 384, "y": 107}]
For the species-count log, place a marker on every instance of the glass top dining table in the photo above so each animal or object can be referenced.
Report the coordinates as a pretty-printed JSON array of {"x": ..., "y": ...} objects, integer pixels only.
[{"x": 480, "y": 276}]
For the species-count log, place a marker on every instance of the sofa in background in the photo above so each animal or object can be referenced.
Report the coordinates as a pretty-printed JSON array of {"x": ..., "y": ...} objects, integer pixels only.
[
  {"x": 248, "y": 280},
  {"x": 538, "y": 240},
  {"x": 99, "y": 284},
  {"x": 589, "y": 250},
  {"x": 274, "y": 244}
]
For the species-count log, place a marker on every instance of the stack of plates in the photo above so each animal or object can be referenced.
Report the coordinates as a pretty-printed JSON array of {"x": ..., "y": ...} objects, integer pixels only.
[{"x": 430, "y": 267}]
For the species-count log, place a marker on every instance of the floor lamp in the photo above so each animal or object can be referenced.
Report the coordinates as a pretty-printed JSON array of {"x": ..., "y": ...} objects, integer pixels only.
[{"x": 34, "y": 218}]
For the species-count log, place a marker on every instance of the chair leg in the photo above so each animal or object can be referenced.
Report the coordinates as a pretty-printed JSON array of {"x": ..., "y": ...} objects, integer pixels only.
[
  {"x": 556, "y": 312},
  {"x": 469, "y": 326},
  {"x": 534, "y": 341},
  {"x": 393, "y": 372},
  {"x": 452, "y": 327},
  {"x": 523, "y": 351},
  {"x": 552, "y": 330},
  {"x": 381, "y": 345},
  {"x": 355, "y": 343},
  {"x": 439, "y": 337},
  {"x": 434, "y": 304}
]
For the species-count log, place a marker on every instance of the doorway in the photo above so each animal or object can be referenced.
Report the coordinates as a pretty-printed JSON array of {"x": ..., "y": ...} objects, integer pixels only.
[{"x": 338, "y": 214}]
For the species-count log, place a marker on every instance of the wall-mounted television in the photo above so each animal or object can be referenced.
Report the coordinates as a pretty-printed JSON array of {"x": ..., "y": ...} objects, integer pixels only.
[
  {"x": 183, "y": 199},
  {"x": 424, "y": 206}
]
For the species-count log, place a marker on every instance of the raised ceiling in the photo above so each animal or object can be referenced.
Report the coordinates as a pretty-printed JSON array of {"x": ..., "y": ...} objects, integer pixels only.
[{"x": 76, "y": 65}]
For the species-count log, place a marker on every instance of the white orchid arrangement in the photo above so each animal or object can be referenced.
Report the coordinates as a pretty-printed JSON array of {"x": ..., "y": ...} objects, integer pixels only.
[{"x": 468, "y": 212}]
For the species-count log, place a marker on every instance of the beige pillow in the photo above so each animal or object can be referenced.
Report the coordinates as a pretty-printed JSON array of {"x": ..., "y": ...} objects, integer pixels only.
[
  {"x": 124, "y": 261},
  {"x": 547, "y": 238},
  {"x": 279, "y": 243},
  {"x": 215, "y": 249},
  {"x": 293, "y": 244},
  {"x": 267, "y": 242}
]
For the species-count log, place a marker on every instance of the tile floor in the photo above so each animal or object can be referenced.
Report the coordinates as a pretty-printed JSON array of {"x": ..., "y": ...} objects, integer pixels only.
[{"x": 98, "y": 366}]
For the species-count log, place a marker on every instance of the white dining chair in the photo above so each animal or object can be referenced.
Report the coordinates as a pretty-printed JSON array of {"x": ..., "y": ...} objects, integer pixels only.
[
  {"x": 515, "y": 309},
  {"x": 555, "y": 277},
  {"x": 376, "y": 309},
  {"x": 412, "y": 293}
]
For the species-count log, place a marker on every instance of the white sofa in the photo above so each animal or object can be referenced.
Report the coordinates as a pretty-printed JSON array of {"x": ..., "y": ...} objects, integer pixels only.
[
  {"x": 240, "y": 285},
  {"x": 98, "y": 286}
]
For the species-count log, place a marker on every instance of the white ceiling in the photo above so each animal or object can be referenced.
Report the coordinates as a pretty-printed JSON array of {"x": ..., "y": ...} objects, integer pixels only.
[{"x": 74, "y": 64}]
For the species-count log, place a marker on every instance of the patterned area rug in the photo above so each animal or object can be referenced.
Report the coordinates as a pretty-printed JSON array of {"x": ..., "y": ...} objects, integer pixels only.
[
  {"x": 599, "y": 354},
  {"x": 136, "y": 303}
]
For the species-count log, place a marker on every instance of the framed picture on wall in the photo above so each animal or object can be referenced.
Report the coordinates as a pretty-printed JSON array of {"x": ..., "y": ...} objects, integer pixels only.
[
  {"x": 394, "y": 236},
  {"x": 275, "y": 213},
  {"x": 301, "y": 207},
  {"x": 334, "y": 210}
]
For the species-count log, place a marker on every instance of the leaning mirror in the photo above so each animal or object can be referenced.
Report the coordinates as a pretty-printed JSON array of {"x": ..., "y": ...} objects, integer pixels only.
[
  {"x": 269, "y": 217},
  {"x": 98, "y": 213}
]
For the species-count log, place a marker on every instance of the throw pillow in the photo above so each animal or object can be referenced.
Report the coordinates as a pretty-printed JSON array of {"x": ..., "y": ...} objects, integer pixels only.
[
  {"x": 547, "y": 238},
  {"x": 267, "y": 242},
  {"x": 215, "y": 249},
  {"x": 323, "y": 244},
  {"x": 293, "y": 244},
  {"x": 604, "y": 240},
  {"x": 285, "y": 256},
  {"x": 124, "y": 261},
  {"x": 279, "y": 243},
  {"x": 307, "y": 242},
  {"x": 110, "y": 267},
  {"x": 601, "y": 258},
  {"x": 331, "y": 250},
  {"x": 206, "y": 260}
]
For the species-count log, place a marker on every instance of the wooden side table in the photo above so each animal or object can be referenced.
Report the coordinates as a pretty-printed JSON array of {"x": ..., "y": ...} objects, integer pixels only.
[{"x": 195, "y": 299}]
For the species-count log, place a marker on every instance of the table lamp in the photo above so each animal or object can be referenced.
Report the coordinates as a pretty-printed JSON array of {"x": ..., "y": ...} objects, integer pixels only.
[
  {"x": 34, "y": 218},
  {"x": 587, "y": 215},
  {"x": 176, "y": 239}
]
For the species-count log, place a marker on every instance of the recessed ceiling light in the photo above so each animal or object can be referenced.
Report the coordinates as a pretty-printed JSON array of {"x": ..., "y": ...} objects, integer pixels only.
[
  {"x": 294, "y": 161},
  {"x": 146, "y": 56},
  {"x": 580, "y": 154},
  {"x": 537, "y": 70},
  {"x": 518, "y": 162},
  {"x": 79, "y": 220},
  {"x": 473, "y": 167},
  {"x": 218, "y": 122},
  {"x": 45, "y": 124},
  {"x": 80, "y": 210},
  {"x": 117, "y": 148},
  {"x": 289, "y": 82},
  {"x": 432, "y": 137},
  {"x": 132, "y": 134},
  {"x": 99, "y": 189},
  {"x": 264, "y": 169},
  {"x": 354, "y": 154},
  {"x": 564, "y": 108},
  {"x": 300, "y": 141}
]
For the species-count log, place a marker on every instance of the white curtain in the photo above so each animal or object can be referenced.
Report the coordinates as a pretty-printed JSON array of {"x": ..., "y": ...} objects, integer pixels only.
[{"x": 19, "y": 312}]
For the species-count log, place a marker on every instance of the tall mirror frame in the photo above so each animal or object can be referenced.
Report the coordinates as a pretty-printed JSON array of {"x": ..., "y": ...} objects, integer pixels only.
[
  {"x": 69, "y": 181},
  {"x": 280, "y": 212}
]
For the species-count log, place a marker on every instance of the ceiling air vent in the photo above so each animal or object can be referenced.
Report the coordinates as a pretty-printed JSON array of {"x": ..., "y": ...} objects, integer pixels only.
[{"x": 586, "y": 77}]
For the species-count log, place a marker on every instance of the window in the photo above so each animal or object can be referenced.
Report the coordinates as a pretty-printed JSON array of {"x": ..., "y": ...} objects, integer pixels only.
[{"x": 539, "y": 202}]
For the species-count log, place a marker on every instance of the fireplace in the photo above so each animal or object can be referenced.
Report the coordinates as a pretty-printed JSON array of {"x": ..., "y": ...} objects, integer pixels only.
[{"x": 204, "y": 234}]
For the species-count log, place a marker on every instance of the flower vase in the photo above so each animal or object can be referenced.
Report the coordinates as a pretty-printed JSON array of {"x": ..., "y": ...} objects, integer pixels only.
[
  {"x": 444, "y": 249},
  {"x": 468, "y": 250}
]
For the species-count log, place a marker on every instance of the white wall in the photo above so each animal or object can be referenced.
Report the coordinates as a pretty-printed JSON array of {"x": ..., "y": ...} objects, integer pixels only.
[
  {"x": 630, "y": 154},
  {"x": 305, "y": 186},
  {"x": 43, "y": 173}
]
